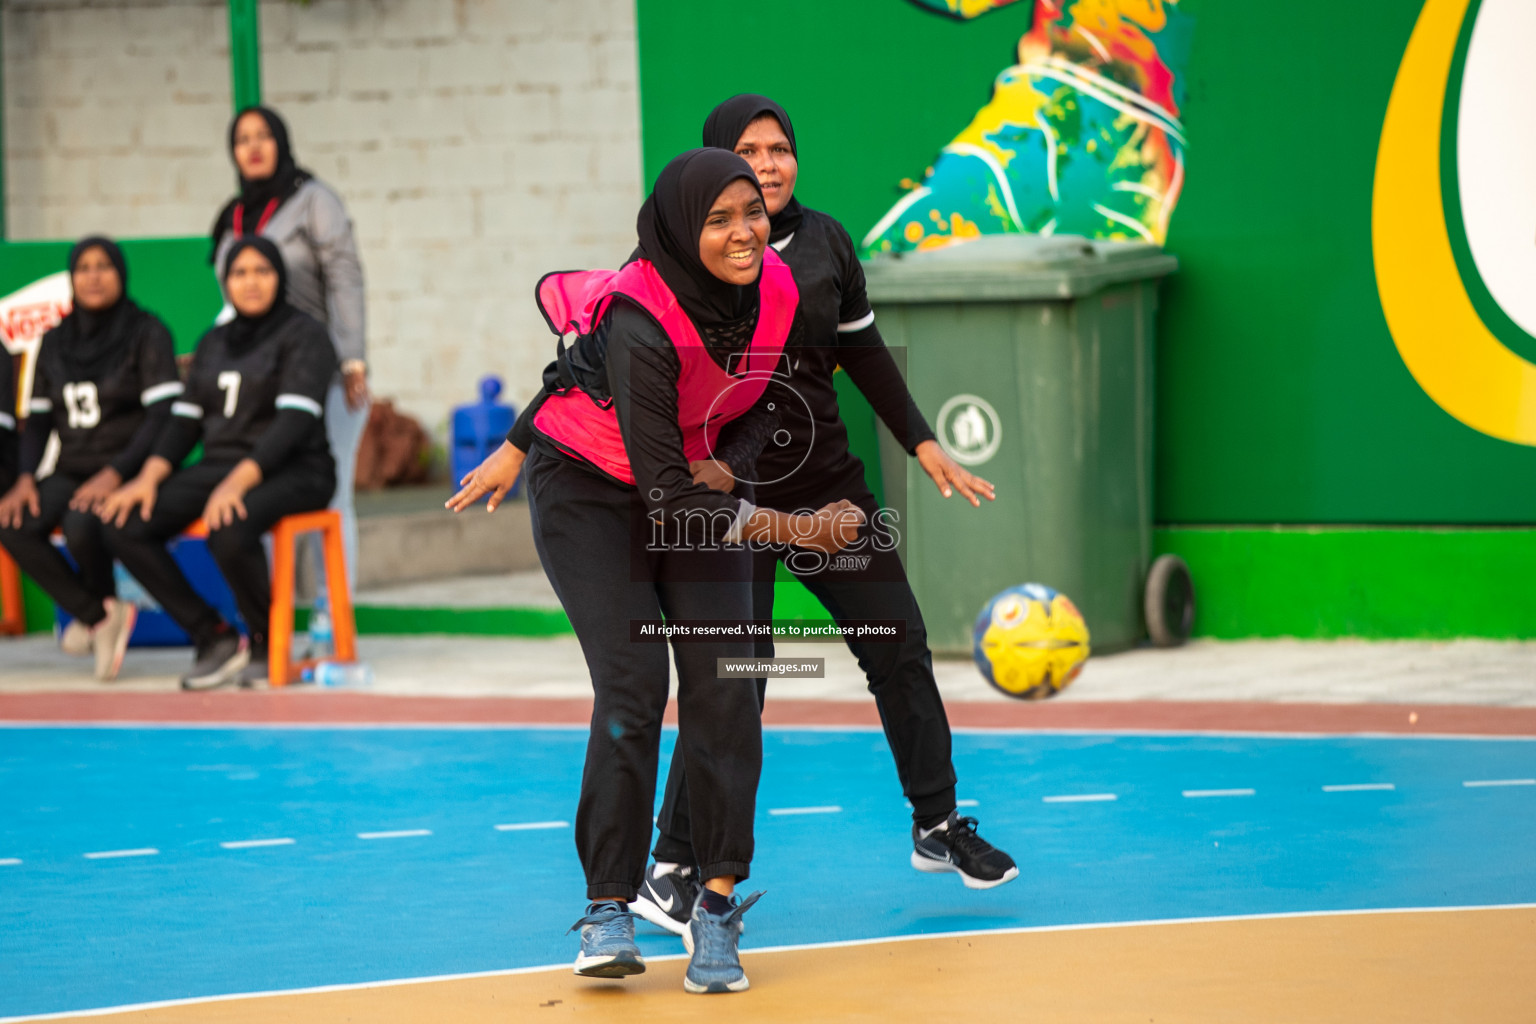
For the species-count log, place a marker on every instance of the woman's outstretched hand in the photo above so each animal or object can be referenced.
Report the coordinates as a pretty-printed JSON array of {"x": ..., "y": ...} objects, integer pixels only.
[
  {"x": 495, "y": 476},
  {"x": 949, "y": 476}
]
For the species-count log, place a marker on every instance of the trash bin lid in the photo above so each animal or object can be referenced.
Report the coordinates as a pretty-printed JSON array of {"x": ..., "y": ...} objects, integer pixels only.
[{"x": 1009, "y": 267}]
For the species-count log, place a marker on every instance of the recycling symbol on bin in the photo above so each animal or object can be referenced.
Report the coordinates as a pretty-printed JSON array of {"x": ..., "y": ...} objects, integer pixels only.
[{"x": 969, "y": 429}]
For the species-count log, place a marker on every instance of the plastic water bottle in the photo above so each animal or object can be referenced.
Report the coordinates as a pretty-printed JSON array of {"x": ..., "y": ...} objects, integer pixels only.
[
  {"x": 350, "y": 674},
  {"x": 321, "y": 640}
]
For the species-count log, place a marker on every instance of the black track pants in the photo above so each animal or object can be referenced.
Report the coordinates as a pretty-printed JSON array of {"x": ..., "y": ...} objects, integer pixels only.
[
  {"x": 590, "y": 533},
  {"x": 900, "y": 678},
  {"x": 78, "y": 592},
  {"x": 237, "y": 549}
]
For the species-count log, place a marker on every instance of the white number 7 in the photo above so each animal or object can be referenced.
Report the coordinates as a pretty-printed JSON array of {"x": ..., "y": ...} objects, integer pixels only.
[{"x": 229, "y": 381}]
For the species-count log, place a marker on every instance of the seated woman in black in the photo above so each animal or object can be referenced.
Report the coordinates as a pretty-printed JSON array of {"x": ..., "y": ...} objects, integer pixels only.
[
  {"x": 8, "y": 455},
  {"x": 255, "y": 398},
  {"x": 104, "y": 379}
]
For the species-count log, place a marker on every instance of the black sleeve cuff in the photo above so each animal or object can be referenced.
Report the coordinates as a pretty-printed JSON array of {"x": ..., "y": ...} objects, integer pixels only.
[
  {"x": 177, "y": 439},
  {"x": 34, "y": 441},
  {"x": 743, "y": 439},
  {"x": 280, "y": 438},
  {"x": 131, "y": 459},
  {"x": 873, "y": 369},
  {"x": 521, "y": 434}
]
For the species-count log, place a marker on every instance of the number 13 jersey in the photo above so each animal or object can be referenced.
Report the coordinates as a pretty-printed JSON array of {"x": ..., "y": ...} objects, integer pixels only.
[{"x": 97, "y": 406}]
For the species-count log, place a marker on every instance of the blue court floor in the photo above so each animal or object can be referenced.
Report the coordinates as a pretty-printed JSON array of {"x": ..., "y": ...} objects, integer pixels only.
[{"x": 144, "y": 864}]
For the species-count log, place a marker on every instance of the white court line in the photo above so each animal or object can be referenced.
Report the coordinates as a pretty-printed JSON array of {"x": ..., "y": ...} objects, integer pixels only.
[
  {"x": 967, "y": 803},
  {"x": 1084, "y": 798},
  {"x": 400, "y": 834},
  {"x": 1196, "y": 793},
  {"x": 9, "y": 862},
  {"x": 967, "y": 730},
  {"x": 148, "y": 851},
  {"x": 529, "y": 825},
  {"x": 1360, "y": 787},
  {"x": 828, "y": 809},
  {"x": 106, "y": 1011},
  {"x": 251, "y": 844},
  {"x": 1475, "y": 783}
]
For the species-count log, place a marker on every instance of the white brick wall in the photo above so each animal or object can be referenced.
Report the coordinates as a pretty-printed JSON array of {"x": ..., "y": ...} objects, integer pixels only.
[{"x": 477, "y": 143}]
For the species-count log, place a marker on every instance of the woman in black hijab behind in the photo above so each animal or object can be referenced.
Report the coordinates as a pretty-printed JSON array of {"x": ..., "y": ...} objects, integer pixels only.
[
  {"x": 253, "y": 399},
  {"x": 104, "y": 380},
  {"x": 610, "y": 484},
  {"x": 816, "y": 461}
]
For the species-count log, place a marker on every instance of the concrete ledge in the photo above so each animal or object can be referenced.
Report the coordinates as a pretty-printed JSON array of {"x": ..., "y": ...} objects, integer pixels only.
[{"x": 427, "y": 545}]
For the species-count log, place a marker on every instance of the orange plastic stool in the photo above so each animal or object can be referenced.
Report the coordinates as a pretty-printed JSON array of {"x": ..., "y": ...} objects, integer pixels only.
[
  {"x": 13, "y": 614},
  {"x": 280, "y": 670}
]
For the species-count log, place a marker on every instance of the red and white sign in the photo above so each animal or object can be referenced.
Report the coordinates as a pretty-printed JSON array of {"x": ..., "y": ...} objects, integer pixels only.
[{"x": 26, "y": 315}]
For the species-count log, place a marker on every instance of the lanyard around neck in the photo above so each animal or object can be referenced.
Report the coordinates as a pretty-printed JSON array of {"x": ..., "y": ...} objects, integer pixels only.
[{"x": 261, "y": 222}]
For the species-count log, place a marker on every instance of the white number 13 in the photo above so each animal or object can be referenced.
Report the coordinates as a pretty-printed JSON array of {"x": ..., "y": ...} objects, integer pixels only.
[
  {"x": 81, "y": 403},
  {"x": 229, "y": 383}
]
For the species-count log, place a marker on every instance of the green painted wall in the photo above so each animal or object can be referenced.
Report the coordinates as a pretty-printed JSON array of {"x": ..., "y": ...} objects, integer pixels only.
[
  {"x": 1281, "y": 398},
  {"x": 1368, "y": 582}
]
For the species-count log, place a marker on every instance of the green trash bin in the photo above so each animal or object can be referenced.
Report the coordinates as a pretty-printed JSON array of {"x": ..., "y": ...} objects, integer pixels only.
[{"x": 1032, "y": 358}]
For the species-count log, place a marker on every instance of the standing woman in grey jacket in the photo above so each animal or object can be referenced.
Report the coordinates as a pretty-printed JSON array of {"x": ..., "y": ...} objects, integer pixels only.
[{"x": 307, "y": 221}]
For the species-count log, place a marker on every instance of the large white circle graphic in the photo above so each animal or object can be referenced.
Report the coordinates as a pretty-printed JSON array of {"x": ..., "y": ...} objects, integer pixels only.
[{"x": 1496, "y": 155}]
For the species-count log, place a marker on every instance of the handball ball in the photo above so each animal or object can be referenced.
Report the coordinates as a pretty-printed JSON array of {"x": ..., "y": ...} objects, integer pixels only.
[{"x": 1030, "y": 642}]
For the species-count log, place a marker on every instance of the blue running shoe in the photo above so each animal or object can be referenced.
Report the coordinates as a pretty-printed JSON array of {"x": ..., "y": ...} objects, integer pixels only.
[
  {"x": 711, "y": 939},
  {"x": 608, "y": 947}
]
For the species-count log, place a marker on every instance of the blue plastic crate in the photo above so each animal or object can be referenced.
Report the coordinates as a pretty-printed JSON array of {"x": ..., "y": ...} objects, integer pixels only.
[{"x": 154, "y": 627}]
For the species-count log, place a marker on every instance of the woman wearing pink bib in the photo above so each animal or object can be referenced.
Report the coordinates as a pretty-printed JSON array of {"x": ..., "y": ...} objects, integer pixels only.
[{"x": 632, "y": 534}]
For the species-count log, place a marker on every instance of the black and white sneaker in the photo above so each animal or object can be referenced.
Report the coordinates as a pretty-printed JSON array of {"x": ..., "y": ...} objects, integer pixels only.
[
  {"x": 666, "y": 898},
  {"x": 953, "y": 845},
  {"x": 218, "y": 660}
]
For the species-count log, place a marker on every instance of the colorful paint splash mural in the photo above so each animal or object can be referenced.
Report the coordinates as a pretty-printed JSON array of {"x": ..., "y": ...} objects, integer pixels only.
[{"x": 1082, "y": 136}]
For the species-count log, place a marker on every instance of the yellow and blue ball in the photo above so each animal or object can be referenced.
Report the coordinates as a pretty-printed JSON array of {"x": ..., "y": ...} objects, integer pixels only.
[{"x": 1030, "y": 642}]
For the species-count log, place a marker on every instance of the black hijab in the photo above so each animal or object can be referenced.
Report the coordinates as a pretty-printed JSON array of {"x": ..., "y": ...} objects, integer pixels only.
[
  {"x": 94, "y": 338},
  {"x": 245, "y": 331},
  {"x": 257, "y": 193},
  {"x": 669, "y": 225},
  {"x": 723, "y": 128}
]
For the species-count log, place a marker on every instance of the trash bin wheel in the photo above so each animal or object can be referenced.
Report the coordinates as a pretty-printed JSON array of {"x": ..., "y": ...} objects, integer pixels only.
[{"x": 1170, "y": 601}]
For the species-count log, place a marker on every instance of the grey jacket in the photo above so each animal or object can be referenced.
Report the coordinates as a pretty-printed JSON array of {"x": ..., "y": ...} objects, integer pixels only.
[{"x": 325, "y": 278}]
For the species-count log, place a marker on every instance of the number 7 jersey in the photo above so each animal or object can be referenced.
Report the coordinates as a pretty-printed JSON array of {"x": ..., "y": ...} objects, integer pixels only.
[{"x": 237, "y": 390}]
